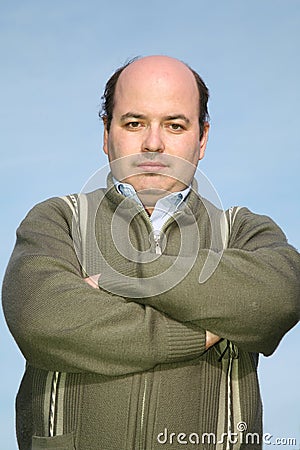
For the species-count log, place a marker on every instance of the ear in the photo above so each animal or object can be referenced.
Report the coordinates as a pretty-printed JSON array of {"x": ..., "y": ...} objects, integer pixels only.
[
  {"x": 203, "y": 140},
  {"x": 105, "y": 135}
]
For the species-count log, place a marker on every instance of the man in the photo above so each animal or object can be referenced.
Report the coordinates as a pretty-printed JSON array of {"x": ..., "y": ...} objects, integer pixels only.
[{"x": 141, "y": 308}]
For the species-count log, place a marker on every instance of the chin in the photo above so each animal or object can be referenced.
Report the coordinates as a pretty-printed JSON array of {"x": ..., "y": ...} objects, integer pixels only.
[{"x": 155, "y": 182}]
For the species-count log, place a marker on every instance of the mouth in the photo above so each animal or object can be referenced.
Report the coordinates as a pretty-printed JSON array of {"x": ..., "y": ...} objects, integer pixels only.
[{"x": 151, "y": 166}]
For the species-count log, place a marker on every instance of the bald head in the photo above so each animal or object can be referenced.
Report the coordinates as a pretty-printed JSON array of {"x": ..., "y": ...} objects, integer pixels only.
[
  {"x": 158, "y": 69},
  {"x": 161, "y": 72}
]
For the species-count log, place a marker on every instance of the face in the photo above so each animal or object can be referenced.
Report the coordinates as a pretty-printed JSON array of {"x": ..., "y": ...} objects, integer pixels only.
[{"x": 154, "y": 142}]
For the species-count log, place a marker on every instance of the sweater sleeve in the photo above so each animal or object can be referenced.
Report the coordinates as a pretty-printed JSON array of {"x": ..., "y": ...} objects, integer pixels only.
[
  {"x": 61, "y": 323},
  {"x": 251, "y": 298}
]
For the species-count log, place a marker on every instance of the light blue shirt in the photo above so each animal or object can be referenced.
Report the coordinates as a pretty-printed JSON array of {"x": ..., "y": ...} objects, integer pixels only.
[{"x": 164, "y": 208}]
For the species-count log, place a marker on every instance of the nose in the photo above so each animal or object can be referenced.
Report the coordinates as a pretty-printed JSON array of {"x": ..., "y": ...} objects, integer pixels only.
[{"x": 153, "y": 141}]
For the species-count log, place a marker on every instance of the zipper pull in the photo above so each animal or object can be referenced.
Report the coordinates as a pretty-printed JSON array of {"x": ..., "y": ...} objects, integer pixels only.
[{"x": 156, "y": 237}]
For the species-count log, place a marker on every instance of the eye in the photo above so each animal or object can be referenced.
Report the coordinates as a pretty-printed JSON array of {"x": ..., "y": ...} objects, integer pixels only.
[
  {"x": 176, "y": 127},
  {"x": 133, "y": 125}
]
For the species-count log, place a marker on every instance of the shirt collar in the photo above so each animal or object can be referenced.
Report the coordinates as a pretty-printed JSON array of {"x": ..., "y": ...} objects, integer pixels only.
[{"x": 170, "y": 202}]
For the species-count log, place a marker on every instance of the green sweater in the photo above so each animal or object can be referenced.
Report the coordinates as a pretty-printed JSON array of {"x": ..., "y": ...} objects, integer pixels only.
[{"x": 124, "y": 367}]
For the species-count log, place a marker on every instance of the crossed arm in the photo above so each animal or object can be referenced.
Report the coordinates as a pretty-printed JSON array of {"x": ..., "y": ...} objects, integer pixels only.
[
  {"x": 251, "y": 298},
  {"x": 61, "y": 323},
  {"x": 210, "y": 339}
]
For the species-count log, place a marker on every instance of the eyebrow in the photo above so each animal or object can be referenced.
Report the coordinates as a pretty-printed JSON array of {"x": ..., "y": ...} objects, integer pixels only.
[
  {"x": 130, "y": 115},
  {"x": 178, "y": 116}
]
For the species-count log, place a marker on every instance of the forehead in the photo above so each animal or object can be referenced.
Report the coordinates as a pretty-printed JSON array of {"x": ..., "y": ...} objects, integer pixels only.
[{"x": 157, "y": 85}]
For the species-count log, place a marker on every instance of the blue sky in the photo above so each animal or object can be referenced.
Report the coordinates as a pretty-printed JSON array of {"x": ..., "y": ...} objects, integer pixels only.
[{"x": 55, "y": 59}]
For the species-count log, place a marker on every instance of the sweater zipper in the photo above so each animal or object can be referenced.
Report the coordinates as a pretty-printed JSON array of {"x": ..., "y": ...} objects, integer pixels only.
[
  {"x": 141, "y": 441},
  {"x": 158, "y": 250},
  {"x": 156, "y": 233},
  {"x": 156, "y": 237}
]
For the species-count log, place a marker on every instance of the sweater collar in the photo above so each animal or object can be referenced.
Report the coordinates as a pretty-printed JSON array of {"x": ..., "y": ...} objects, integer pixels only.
[
  {"x": 171, "y": 201},
  {"x": 193, "y": 202}
]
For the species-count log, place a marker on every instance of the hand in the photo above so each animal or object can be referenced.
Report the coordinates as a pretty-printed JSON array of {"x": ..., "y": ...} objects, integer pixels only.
[
  {"x": 211, "y": 339},
  {"x": 93, "y": 281}
]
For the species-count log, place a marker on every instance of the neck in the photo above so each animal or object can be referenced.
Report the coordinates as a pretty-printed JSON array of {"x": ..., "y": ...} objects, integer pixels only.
[{"x": 150, "y": 197}]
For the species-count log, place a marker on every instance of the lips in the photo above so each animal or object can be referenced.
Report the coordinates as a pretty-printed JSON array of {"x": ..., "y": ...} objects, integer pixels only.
[{"x": 151, "y": 166}]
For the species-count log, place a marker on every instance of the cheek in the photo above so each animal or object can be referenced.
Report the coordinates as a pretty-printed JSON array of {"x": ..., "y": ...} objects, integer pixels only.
[
  {"x": 120, "y": 144},
  {"x": 187, "y": 148}
]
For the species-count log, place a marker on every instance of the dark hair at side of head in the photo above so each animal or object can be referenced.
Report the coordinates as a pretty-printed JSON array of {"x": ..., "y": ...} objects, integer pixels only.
[
  {"x": 203, "y": 100},
  {"x": 108, "y": 96}
]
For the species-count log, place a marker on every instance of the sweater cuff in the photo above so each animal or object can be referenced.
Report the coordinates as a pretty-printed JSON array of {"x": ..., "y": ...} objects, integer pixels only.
[{"x": 185, "y": 341}]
